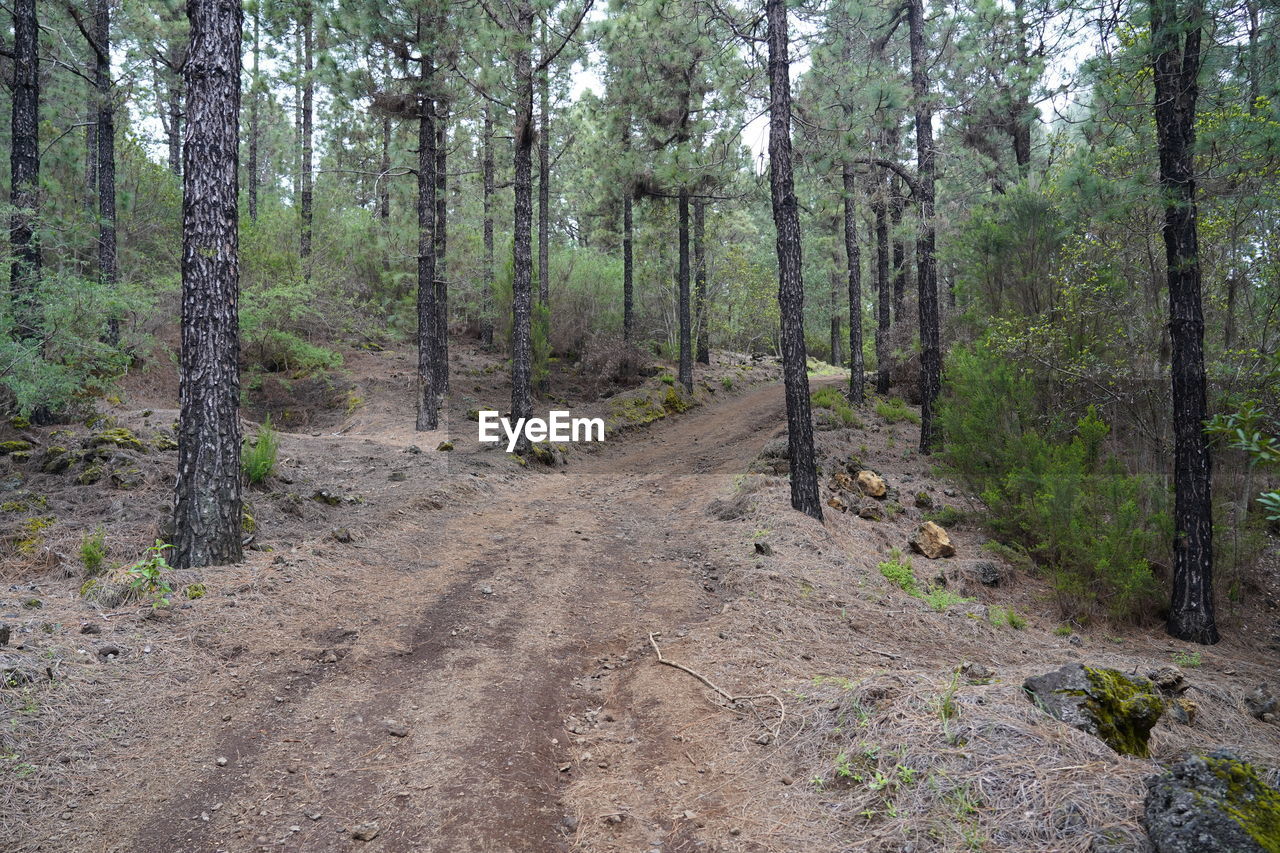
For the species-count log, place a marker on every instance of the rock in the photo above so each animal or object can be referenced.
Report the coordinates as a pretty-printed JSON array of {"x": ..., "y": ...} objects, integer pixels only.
[
  {"x": 222, "y": 761},
  {"x": 1261, "y": 703},
  {"x": 341, "y": 534},
  {"x": 397, "y": 476},
  {"x": 15, "y": 446},
  {"x": 4, "y": 635},
  {"x": 1183, "y": 711},
  {"x": 841, "y": 481},
  {"x": 445, "y": 446},
  {"x": 365, "y": 831},
  {"x": 777, "y": 448},
  {"x": 871, "y": 511},
  {"x": 837, "y": 503},
  {"x": 126, "y": 478},
  {"x": 1212, "y": 802},
  {"x": 872, "y": 484},
  {"x": 109, "y": 652},
  {"x": 56, "y": 460},
  {"x": 116, "y": 437},
  {"x": 932, "y": 541},
  {"x": 325, "y": 496},
  {"x": 396, "y": 729},
  {"x": 90, "y": 628},
  {"x": 924, "y": 500},
  {"x": 1168, "y": 679},
  {"x": 17, "y": 671},
  {"x": 1118, "y": 709},
  {"x": 987, "y": 572},
  {"x": 976, "y": 673},
  {"x": 764, "y": 548}
]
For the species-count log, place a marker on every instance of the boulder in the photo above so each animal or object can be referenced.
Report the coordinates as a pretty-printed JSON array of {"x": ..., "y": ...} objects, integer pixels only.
[
  {"x": 1118, "y": 709},
  {"x": 871, "y": 511},
  {"x": 842, "y": 482},
  {"x": 1212, "y": 802},
  {"x": 1168, "y": 679},
  {"x": 1261, "y": 703},
  {"x": 837, "y": 503},
  {"x": 872, "y": 484},
  {"x": 924, "y": 500},
  {"x": 932, "y": 541}
]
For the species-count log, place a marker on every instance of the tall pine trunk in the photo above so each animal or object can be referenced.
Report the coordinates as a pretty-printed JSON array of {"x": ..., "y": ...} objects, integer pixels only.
[
  {"x": 701, "y": 306},
  {"x": 384, "y": 168},
  {"x": 24, "y": 168},
  {"x": 428, "y": 418},
  {"x": 173, "y": 128},
  {"x": 853, "y": 257},
  {"x": 255, "y": 129},
  {"x": 108, "y": 270},
  {"x": 442, "y": 245},
  {"x": 897, "y": 205},
  {"x": 682, "y": 286},
  {"x": 883, "y": 296},
  {"x": 486, "y": 321},
  {"x": 786, "y": 219},
  {"x": 926, "y": 260},
  {"x": 207, "y": 510},
  {"x": 836, "y": 342},
  {"x": 305, "y": 176},
  {"x": 628, "y": 268},
  {"x": 544, "y": 178},
  {"x": 1175, "y": 42},
  {"x": 522, "y": 223}
]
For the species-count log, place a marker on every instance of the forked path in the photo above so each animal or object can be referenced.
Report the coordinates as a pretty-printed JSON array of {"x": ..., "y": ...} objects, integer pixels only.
[{"x": 517, "y": 602}]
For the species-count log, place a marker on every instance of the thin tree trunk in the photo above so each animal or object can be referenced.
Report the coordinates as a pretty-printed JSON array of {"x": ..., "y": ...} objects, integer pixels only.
[
  {"x": 175, "y": 123},
  {"x": 628, "y": 271},
  {"x": 207, "y": 511},
  {"x": 853, "y": 256},
  {"x": 522, "y": 222},
  {"x": 106, "y": 168},
  {"x": 834, "y": 304},
  {"x": 786, "y": 218},
  {"x": 682, "y": 281},
  {"x": 897, "y": 205},
  {"x": 883, "y": 296},
  {"x": 308, "y": 120},
  {"x": 1175, "y": 41},
  {"x": 255, "y": 130},
  {"x": 700, "y": 280},
  {"x": 926, "y": 260},
  {"x": 24, "y": 168},
  {"x": 544, "y": 177},
  {"x": 486, "y": 322},
  {"x": 442, "y": 244},
  {"x": 384, "y": 168},
  {"x": 428, "y": 397},
  {"x": 1022, "y": 111}
]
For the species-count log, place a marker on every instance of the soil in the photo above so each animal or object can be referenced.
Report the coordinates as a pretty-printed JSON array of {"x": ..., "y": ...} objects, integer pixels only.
[{"x": 457, "y": 653}]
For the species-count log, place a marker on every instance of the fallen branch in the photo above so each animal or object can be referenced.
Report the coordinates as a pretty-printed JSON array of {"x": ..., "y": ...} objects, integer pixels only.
[{"x": 726, "y": 695}]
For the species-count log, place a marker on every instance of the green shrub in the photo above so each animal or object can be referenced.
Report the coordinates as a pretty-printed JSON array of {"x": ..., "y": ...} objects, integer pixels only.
[
  {"x": 899, "y": 573},
  {"x": 727, "y": 383},
  {"x": 895, "y": 411},
  {"x": 258, "y": 455},
  {"x": 1006, "y": 616},
  {"x": 1092, "y": 526},
  {"x": 93, "y": 551},
  {"x": 834, "y": 399},
  {"x": 940, "y": 598},
  {"x": 149, "y": 577}
]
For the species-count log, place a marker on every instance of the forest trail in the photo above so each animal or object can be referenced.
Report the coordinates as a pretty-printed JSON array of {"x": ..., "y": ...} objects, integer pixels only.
[{"x": 509, "y": 613}]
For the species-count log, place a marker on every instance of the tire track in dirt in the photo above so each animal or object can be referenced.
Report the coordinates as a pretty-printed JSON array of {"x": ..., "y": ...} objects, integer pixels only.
[{"x": 578, "y": 566}]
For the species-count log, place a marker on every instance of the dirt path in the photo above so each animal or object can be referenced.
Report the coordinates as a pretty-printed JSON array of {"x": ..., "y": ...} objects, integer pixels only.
[{"x": 527, "y": 602}]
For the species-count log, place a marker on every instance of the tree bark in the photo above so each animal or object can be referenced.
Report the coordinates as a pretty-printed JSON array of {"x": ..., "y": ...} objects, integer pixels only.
[
  {"x": 486, "y": 322},
  {"x": 308, "y": 120},
  {"x": 442, "y": 244},
  {"x": 628, "y": 270},
  {"x": 428, "y": 328},
  {"x": 786, "y": 218},
  {"x": 701, "y": 306},
  {"x": 1175, "y": 42},
  {"x": 207, "y": 500},
  {"x": 384, "y": 169},
  {"x": 897, "y": 205},
  {"x": 522, "y": 255},
  {"x": 834, "y": 304},
  {"x": 926, "y": 260},
  {"x": 853, "y": 256},
  {"x": 544, "y": 177},
  {"x": 174, "y": 127},
  {"x": 108, "y": 270},
  {"x": 24, "y": 169},
  {"x": 682, "y": 282},
  {"x": 883, "y": 296}
]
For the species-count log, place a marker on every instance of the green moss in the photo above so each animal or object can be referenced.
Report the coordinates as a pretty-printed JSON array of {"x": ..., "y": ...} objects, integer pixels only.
[
  {"x": 87, "y": 588},
  {"x": 673, "y": 402},
  {"x": 13, "y": 506},
  {"x": 1251, "y": 802},
  {"x": 192, "y": 591},
  {"x": 15, "y": 446},
  {"x": 164, "y": 441},
  {"x": 118, "y": 437},
  {"x": 1123, "y": 710},
  {"x": 91, "y": 474},
  {"x": 543, "y": 454},
  {"x": 445, "y": 446},
  {"x": 56, "y": 459},
  {"x": 637, "y": 411},
  {"x": 19, "y": 422}
]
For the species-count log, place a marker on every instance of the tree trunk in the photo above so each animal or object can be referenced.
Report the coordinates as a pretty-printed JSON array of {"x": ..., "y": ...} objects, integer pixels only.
[
  {"x": 897, "y": 204},
  {"x": 682, "y": 281},
  {"x": 1023, "y": 112},
  {"x": 522, "y": 255},
  {"x": 442, "y": 244},
  {"x": 853, "y": 256},
  {"x": 834, "y": 304},
  {"x": 786, "y": 218},
  {"x": 308, "y": 118},
  {"x": 255, "y": 130},
  {"x": 384, "y": 169},
  {"x": 926, "y": 261},
  {"x": 24, "y": 169},
  {"x": 108, "y": 272},
  {"x": 1175, "y": 42},
  {"x": 428, "y": 398},
  {"x": 544, "y": 177},
  {"x": 175, "y": 124},
  {"x": 702, "y": 308},
  {"x": 207, "y": 511},
  {"x": 883, "y": 296},
  {"x": 628, "y": 269},
  {"x": 486, "y": 322}
]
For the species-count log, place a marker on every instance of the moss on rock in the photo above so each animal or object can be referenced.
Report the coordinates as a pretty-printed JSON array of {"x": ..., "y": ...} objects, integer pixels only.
[
  {"x": 17, "y": 445},
  {"x": 1116, "y": 708},
  {"x": 118, "y": 437},
  {"x": 1212, "y": 802}
]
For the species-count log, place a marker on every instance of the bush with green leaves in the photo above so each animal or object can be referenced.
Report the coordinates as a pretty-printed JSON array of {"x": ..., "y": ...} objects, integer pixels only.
[
  {"x": 1093, "y": 527},
  {"x": 93, "y": 551},
  {"x": 149, "y": 577},
  {"x": 258, "y": 454}
]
